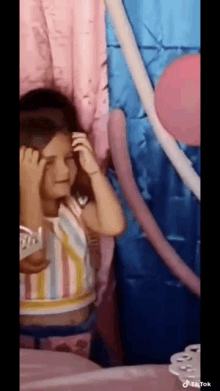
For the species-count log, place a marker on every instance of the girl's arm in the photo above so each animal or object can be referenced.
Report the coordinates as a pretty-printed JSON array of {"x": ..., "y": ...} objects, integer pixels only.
[
  {"x": 105, "y": 215},
  {"x": 31, "y": 215}
]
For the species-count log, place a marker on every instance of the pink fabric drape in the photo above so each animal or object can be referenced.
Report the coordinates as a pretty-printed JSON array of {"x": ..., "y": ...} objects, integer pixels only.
[{"x": 62, "y": 44}]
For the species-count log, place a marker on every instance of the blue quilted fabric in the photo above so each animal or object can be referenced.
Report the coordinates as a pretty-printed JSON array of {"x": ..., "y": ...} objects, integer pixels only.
[{"x": 158, "y": 316}]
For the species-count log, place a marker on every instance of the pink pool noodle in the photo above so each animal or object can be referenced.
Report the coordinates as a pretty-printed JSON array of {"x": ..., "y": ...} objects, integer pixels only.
[{"x": 122, "y": 164}]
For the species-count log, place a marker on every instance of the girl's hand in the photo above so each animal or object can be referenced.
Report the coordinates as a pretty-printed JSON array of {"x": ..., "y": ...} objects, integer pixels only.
[
  {"x": 30, "y": 266},
  {"x": 31, "y": 169},
  {"x": 86, "y": 155}
]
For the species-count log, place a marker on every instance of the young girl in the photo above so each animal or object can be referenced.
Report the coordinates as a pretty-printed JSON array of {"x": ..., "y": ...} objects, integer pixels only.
[{"x": 63, "y": 191}]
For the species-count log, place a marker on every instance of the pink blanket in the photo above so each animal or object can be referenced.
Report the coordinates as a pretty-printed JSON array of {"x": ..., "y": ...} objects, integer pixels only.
[{"x": 55, "y": 371}]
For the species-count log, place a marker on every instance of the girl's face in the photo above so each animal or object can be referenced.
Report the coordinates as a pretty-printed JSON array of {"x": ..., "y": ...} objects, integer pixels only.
[{"x": 60, "y": 170}]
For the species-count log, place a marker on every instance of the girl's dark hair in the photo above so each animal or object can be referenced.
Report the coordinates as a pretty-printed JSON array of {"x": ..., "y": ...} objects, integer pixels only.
[{"x": 37, "y": 128}]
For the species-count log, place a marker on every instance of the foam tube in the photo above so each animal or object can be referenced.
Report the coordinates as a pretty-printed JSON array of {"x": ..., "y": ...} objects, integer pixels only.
[
  {"x": 123, "y": 167},
  {"x": 139, "y": 74}
]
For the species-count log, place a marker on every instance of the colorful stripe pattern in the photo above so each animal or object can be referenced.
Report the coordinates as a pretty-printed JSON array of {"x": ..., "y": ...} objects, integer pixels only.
[{"x": 68, "y": 282}]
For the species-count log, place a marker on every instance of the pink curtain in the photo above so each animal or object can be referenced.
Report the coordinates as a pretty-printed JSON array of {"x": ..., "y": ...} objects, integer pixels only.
[{"x": 62, "y": 43}]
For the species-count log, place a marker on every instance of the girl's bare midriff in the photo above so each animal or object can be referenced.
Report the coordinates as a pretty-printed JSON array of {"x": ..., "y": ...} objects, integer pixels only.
[{"x": 72, "y": 318}]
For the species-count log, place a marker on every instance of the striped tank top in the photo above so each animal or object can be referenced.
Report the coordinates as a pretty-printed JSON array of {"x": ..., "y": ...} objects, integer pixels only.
[{"x": 68, "y": 283}]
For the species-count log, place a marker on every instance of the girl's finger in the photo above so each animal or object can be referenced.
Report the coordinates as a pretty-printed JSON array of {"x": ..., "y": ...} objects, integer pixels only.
[
  {"x": 42, "y": 163},
  {"x": 35, "y": 157},
  {"x": 28, "y": 154},
  {"x": 83, "y": 142},
  {"x": 79, "y": 134},
  {"x": 81, "y": 148},
  {"x": 22, "y": 151}
]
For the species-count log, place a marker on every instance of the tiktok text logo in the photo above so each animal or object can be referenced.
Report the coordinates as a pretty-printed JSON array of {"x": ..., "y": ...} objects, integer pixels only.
[{"x": 194, "y": 384}]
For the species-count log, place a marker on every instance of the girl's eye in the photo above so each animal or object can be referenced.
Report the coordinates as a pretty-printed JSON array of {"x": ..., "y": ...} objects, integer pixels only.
[{"x": 70, "y": 158}]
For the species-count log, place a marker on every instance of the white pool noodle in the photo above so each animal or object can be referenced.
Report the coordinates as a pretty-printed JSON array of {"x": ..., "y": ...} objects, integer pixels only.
[{"x": 131, "y": 52}]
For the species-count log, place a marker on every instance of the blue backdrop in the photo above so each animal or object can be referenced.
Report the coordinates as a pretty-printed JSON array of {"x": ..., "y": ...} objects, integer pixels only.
[{"x": 158, "y": 316}]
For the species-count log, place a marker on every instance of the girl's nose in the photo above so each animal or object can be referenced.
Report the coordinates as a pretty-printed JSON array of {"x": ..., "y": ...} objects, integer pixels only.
[{"x": 62, "y": 171}]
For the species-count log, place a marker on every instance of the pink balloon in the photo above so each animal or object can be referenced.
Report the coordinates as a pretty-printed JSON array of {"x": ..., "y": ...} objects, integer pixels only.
[
  {"x": 177, "y": 99},
  {"x": 123, "y": 168}
]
